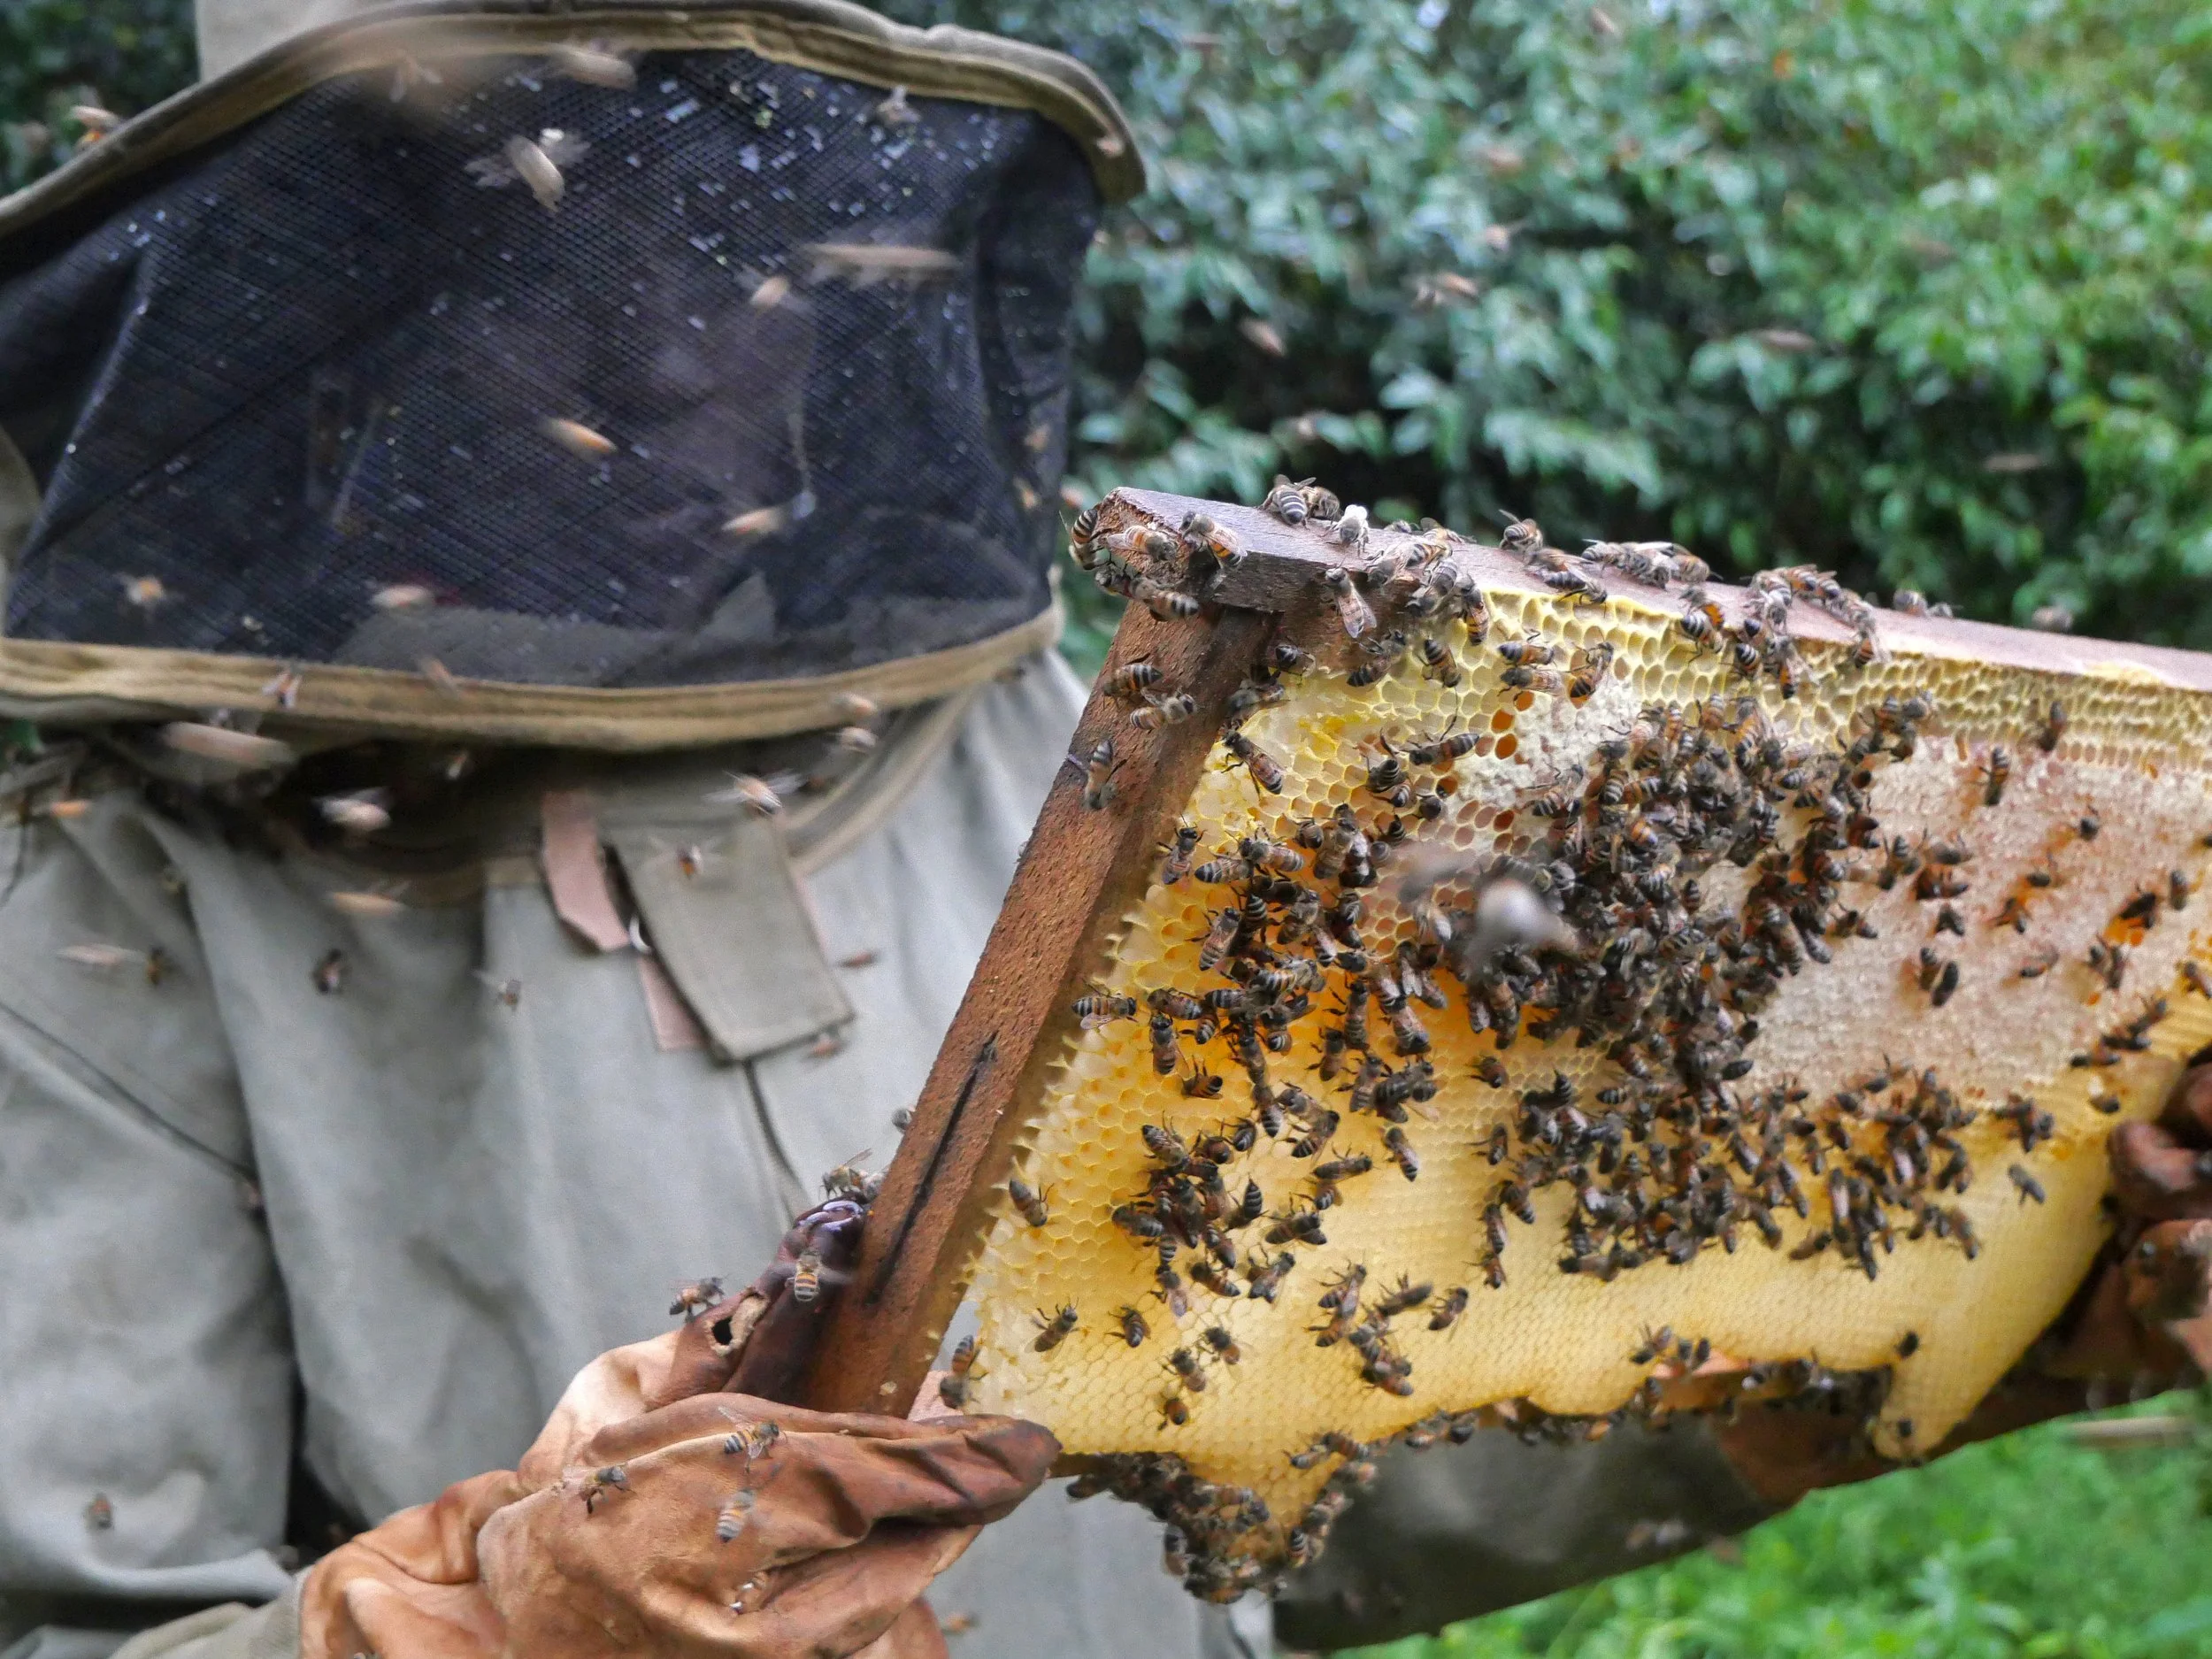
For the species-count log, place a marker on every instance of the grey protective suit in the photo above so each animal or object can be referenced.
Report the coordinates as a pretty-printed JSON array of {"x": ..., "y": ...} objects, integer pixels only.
[{"x": 265, "y": 1240}]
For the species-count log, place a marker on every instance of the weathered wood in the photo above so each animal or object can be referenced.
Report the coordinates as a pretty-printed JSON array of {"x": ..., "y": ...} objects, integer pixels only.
[{"x": 1081, "y": 872}]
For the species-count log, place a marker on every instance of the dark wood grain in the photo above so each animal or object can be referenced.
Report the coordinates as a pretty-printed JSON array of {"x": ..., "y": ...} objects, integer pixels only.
[{"x": 1081, "y": 872}]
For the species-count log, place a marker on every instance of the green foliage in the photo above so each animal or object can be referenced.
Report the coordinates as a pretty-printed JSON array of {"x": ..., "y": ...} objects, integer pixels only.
[
  {"x": 1917, "y": 293},
  {"x": 2029, "y": 1547},
  {"x": 119, "y": 55}
]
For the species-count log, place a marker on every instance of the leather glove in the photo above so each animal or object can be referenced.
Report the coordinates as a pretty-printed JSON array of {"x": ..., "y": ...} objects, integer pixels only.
[
  {"x": 2141, "y": 1322},
  {"x": 671, "y": 1506}
]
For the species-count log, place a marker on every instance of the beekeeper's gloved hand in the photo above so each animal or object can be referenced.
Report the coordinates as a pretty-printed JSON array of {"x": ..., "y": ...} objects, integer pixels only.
[
  {"x": 666, "y": 1508},
  {"x": 2142, "y": 1321}
]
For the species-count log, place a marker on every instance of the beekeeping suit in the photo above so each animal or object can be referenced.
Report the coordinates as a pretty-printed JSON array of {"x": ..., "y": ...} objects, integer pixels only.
[{"x": 439, "y": 451}]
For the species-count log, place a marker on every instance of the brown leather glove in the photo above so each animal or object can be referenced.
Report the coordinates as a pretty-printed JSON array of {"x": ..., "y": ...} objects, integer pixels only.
[
  {"x": 668, "y": 1506},
  {"x": 2140, "y": 1322}
]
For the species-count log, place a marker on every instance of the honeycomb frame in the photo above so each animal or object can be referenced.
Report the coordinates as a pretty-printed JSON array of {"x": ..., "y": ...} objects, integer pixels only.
[{"x": 1913, "y": 1310}]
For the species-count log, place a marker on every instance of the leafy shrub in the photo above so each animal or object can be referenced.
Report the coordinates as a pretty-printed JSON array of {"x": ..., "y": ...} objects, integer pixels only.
[
  {"x": 119, "y": 55},
  {"x": 1920, "y": 294}
]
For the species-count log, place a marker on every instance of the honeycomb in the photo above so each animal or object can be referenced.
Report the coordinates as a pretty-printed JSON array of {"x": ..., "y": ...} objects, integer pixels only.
[{"x": 1834, "y": 1120}]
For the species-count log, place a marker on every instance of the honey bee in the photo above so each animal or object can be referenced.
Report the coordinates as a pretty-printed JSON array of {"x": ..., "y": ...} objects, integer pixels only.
[
  {"x": 1189, "y": 1369},
  {"x": 1402, "y": 1152},
  {"x": 1588, "y": 670},
  {"x": 1164, "y": 712},
  {"x": 1491, "y": 1069},
  {"x": 1493, "y": 1272},
  {"x": 2041, "y": 964},
  {"x": 1133, "y": 1327},
  {"x": 1288, "y": 501},
  {"x": 2029, "y": 1187},
  {"x": 806, "y": 1276},
  {"x": 1167, "y": 1055},
  {"x": 735, "y": 1511},
  {"x": 1265, "y": 771},
  {"x": 1053, "y": 1330},
  {"x": 1269, "y": 1279},
  {"x": 1548, "y": 680},
  {"x": 1352, "y": 611},
  {"x": 1101, "y": 1008},
  {"x": 1030, "y": 1203},
  {"x": 1437, "y": 662},
  {"x": 1139, "y": 1222},
  {"x": 1172, "y": 1410},
  {"x": 2053, "y": 728},
  {"x": 1218, "y": 1338},
  {"x": 578, "y": 439},
  {"x": 1994, "y": 772},
  {"x": 2108, "y": 1104},
  {"x": 1219, "y": 937},
  {"x": 1700, "y": 620},
  {"x": 601, "y": 1482},
  {"x": 1200, "y": 1083},
  {"x": 1166, "y": 603},
  {"x": 2178, "y": 890},
  {"x": 1448, "y": 1306},
  {"x": 753, "y": 794},
  {"x": 1530, "y": 652},
  {"x": 1522, "y": 537},
  {"x": 694, "y": 1298},
  {"x": 1177, "y": 863},
  {"x": 329, "y": 972},
  {"x": 2199, "y": 980},
  {"x": 1098, "y": 773}
]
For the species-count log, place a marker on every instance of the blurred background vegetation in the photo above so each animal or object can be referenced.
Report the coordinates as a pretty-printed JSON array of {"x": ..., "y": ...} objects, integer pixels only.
[{"x": 1917, "y": 293}]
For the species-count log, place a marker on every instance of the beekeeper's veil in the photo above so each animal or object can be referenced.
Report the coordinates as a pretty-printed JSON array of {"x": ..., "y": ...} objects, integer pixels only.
[{"x": 597, "y": 374}]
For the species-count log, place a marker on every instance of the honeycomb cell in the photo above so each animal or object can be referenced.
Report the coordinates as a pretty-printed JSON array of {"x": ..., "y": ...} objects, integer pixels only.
[{"x": 1715, "y": 834}]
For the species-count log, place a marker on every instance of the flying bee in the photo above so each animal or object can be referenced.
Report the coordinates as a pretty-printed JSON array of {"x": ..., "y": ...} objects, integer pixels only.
[
  {"x": 1218, "y": 1338},
  {"x": 1100, "y": 1008},
  {"x": 2029, "y": 1187},
  {"x": 1266, "y": 770},
  {"x": 1053, "y": 1330},
  {"x": 806, "y": 1276},
  {"x": 735, "y": 1512},
  {"x": 2053, "y": 728},
  {"x": 1994, "y": 772},
  {"x": 1401, "y": 1151},
  {"x": 1132, "y": 681},
  {"x": 1352, "y": 611},
  {"x": 1133, "y": 1327},
  {"x": 1164, "y": 712},
  {"x": 1177, "y": 863},
  {"x": 1030, "y": 1203},
  {"x": 692, "y": 1299},
  {"x": 329, "y": 972}
]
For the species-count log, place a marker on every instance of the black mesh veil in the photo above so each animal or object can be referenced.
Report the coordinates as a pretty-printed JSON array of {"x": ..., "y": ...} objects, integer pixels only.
[{"x": 739, "y": 371}]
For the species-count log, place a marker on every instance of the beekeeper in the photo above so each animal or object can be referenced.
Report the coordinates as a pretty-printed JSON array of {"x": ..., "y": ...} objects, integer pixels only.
[{"x": 528, "y": 624}]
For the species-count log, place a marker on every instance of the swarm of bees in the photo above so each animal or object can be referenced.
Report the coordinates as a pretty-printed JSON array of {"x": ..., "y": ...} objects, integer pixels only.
[{"x": 1482, "y": 961}]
